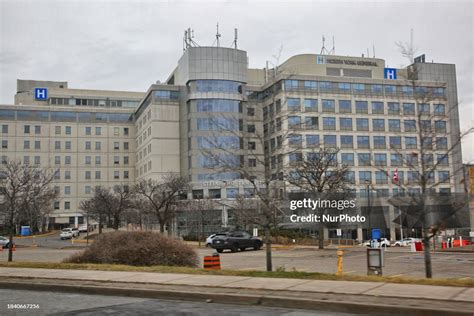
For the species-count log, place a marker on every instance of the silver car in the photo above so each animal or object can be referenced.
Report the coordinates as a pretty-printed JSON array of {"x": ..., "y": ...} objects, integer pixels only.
[{"x": 4, "y": 242}]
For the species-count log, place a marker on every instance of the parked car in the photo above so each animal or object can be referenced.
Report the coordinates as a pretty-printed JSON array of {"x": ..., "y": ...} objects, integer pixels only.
[
  {"x": 235, "y": 241},
  {"x": 383, "y": 242},
  {"x": 4, "y": 242},
  {"x": 405, "y": 242},
  {"x": 72, "y": 231},
  {"x": 211, "y": 237},
  {"x": 65, "y": 234},
  {"x": 83, "y": 228}
]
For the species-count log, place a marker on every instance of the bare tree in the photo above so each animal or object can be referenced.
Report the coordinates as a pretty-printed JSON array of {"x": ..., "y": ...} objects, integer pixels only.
[
  {"x": 199, "y": 216},
  {"x": 418, "y": 189},
  {"x": 25, "y": 190},
  {"x": 161, "y": 196},
  {"x": 320, "y": 173}
]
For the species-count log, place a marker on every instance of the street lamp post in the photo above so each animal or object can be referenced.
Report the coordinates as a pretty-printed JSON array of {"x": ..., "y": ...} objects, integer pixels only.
[{"x": 369, "y": 207}]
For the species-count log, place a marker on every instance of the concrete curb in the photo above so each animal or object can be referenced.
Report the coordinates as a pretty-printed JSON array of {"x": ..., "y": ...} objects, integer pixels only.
[{"x": 273, "y": 298}]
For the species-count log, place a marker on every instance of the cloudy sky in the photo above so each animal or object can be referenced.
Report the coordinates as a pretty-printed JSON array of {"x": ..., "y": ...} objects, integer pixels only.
[{"x": 127, "y": 45}]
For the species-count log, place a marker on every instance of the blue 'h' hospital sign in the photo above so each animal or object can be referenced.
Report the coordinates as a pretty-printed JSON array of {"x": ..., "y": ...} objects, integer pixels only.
[
  {"x": 41, "y": 93},
  {"x": 390, "y": 73}
]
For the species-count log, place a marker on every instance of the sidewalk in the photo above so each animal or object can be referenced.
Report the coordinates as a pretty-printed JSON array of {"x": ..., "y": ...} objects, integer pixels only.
[{"x": 290, "y": 293}]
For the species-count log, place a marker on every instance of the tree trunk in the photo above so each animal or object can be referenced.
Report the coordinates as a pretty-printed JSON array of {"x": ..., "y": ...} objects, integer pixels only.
[
  {"x": 162, "y": 227},
  {"x": 100, "y": 225},
  {"x": 268, "y": 248},
  {"x": 321, "y": 237},
  {"x": 426, "y": 250},
  {"x": 10, "y": 246}
]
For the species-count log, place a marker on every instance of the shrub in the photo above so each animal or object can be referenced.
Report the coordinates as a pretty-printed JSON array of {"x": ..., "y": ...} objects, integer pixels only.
[{"x": 137, "y": 249}]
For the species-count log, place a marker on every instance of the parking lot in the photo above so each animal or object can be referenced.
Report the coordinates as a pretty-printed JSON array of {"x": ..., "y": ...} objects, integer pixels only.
[{"x": 399, "y": 261}]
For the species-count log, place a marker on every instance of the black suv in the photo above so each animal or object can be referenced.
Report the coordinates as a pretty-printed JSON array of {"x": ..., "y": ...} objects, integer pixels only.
[{"x": 235, "y": 241}]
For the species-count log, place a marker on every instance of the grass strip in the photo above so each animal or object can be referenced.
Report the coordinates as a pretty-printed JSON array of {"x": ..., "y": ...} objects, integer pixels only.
[{"x": 466, "y": 282}]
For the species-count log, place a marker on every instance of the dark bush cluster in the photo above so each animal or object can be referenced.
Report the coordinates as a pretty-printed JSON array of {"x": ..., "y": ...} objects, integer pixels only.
[{"x": 137, "y": 249}]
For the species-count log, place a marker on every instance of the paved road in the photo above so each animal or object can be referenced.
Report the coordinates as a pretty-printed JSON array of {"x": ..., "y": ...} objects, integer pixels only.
[
  {"x": 397, "y": 261},
  {"x": 51, "y": 303},
  {"x": 50, "y": 241}
]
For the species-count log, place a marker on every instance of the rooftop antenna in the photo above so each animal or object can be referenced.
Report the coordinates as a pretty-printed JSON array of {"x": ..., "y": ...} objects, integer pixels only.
[
  {"x": 373, "y": 49},
  {"x": 235, "y": 38},
  {"x": 188, "y": 39},
  {"x": 325, "y": 51},
  {"x": 217, "y": 35}
]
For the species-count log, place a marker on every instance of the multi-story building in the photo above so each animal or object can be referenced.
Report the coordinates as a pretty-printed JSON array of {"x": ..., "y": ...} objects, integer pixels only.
[{"x": 212, "y": 103}]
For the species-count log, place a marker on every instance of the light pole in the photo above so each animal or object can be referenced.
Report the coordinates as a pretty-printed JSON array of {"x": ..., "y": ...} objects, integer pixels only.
[{"x": 369, "y": 207}]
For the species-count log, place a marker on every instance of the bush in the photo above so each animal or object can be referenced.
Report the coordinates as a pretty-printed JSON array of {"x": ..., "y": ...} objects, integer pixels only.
[{"x": 137, "y": 249}]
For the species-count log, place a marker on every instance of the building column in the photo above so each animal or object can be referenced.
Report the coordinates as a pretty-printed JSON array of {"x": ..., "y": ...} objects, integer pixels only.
[
  {"x": 360, "y": 237},
  {"x": 76, "y": 221}
]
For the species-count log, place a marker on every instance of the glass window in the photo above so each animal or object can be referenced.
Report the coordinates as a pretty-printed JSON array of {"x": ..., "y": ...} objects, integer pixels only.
[
  {"x": 294, "y": 121},
  {"x": 424, "y": 108},
  {"x": 37, "y": 129},
  {"x": 4, "y": 129},
  {"x": 291, "y": 84},
  {"x": 312, "y": 140},
  {"x": 380, "y": 177},
  {"x": 311, "y": 122},
  {"x": 57, "y": 144},
  {"x": 363, "y": 142},
  {"x": 37, "y": 144},
  {"x": 347, "y": 159},
  {"x": 350, "y": 177},
  {"x": 410, "y": 143},
  {"x": 345, "y": 106},
  {"x": 427, "y": 143},
  {"x": 347, "y": 141},
  {"x": 171, "y": 95},
  {"x": 344, "y": 86},
  {"x": 378, "y": 125},
  {"x": 440, "y": 126},
  {"x": 294, "y": 104},
  {"x": 365, "y": 176},
  {"x": 225, "y": 142},
  {"x": 295, "y": 157},
  {"x": 396, "y": 160},
  {"x": 232, "y": 193},
  {"x": 393, "y": 108},
  {"x": 218, "y": 105},
  {"x": 377, "y": 107},
  {"x": 330, "y": 141},
  {"x": 325, "y": 86},
  {"x": 98, "y": 130},
  {"x": 97, "y": 175},
  {"x": 362, "y": 107},
  {"x": 97, "y": 160},
  {"x": 345, "y": 124},
  {"x": 67, "y": 175},
  {"x": 358, "y": 87},
  {"x": 87, "y": 175},
  {"x": 379, "y": 142},
  {"x": 389, "y": 89},
  {"x": 63, "y": 116},
  {"x": 98, "y": 145},
  {"x": 364, "y": 159},
  {"x": 408, "y": 108},
  {"x": 311, "y": 105},
  {"x": 67, "y": 160},
  {"x": 310, "y": 85},
  {"x": 407, "y": 90},
  {"x": 207, "y": 86},
  {"x": 120, "y": 118},
  {"x": 57, "y": 160},
  {"x": 442, "y": 159},
  {"x": 88, "y": 160},
  {"x": 329, "y": 123},
  {"x": 218, "y": 123},
  {"x": 362, "y": 124},
  {"x": 439, "y": 109},
  {"x": 394, "y": 125},
  {"x": 443, "y": 176},
  {"x": 380, "y": 159},
  {"x": 4, "y": 144},
  {"x": 7, "y": 115},
  {"x": 68, "y": 144},
  {"x": 294, "y": 140},
  {"x": 376, "y": 88},
  {"x": 395, "y": 142},
  {"x": 328, "y": 106},
  {"x": 410, "y": 125},
  {"x": 441, "y": 143},
  {"x": 26, "y": 129}
]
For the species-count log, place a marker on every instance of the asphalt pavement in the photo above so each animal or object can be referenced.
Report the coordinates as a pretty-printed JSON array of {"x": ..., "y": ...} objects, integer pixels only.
[{"x": 53, "y": 303}]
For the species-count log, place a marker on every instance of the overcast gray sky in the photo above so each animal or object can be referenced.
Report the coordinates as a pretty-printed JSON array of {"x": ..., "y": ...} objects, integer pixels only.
[{"x": 127, "y": 45}]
